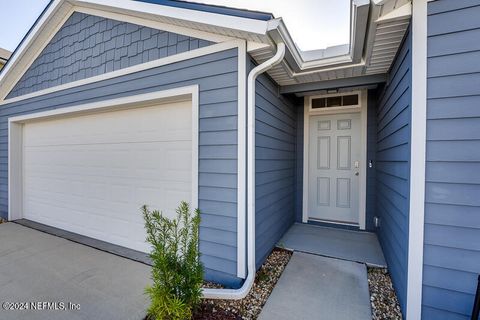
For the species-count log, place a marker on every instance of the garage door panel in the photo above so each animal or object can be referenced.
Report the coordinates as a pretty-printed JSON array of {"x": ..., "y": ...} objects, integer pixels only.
[
  {"x": 168, "y": 155},
  {"x": 91, "y": 174}
]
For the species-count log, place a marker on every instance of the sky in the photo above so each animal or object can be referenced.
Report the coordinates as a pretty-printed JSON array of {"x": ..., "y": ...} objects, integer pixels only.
[{"x": 313, "y": 24}]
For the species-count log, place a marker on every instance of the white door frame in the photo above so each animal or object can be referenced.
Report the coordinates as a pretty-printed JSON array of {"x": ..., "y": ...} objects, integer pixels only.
[
  {"x": 362, "y": 108},
  {"x": 15, "y": 133}
]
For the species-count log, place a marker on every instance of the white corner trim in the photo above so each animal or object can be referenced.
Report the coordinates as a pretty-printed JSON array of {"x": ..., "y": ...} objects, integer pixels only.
[
  {"x": 417, "y": 161},
  {"x": 195, "y": 97},
  {"x": 15, "y": 170},
  {"x": 362, "y": 109},
  {"x": 242, "y": 160},
  {"x": 136, "y": 68},
  {"x": 362, "y": 198},
  {"x": 15, "y": 127}
]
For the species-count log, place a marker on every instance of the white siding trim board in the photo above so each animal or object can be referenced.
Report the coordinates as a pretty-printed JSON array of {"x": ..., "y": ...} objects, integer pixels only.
[
  {"x": 418, "y": 156},
  {"x": 242, "y": 160}
]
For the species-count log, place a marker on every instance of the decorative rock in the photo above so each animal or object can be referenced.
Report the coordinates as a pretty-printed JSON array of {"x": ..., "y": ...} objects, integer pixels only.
[
  {"x": 382, "y": 295},
  {"x": 248, "y": 308}
]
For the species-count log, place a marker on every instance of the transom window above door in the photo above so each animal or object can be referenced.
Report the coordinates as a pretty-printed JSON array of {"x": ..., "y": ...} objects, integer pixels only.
[{"x": 335, "y": 101}]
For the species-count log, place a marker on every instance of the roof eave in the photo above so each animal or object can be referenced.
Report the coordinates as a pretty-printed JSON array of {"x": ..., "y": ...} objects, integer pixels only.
[
  {"x": 298, "y": 60},
  {"x": 215, "y": 19}
]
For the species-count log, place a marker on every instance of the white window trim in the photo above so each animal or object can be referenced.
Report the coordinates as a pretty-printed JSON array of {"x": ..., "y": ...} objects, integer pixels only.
[
  {"x": 362, "y": 108},
  {"x": 16, "y": 124},
  {"x": 417, "y": 161}
]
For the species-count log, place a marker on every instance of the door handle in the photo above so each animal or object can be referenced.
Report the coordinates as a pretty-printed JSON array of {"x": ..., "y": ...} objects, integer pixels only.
[{"x": 356, "y": 173}]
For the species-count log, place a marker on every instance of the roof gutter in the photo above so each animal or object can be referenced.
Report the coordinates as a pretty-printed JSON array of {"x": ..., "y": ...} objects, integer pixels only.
[
  {"x": 333, "y": 56},
  {"x": 242, "y": 292}
]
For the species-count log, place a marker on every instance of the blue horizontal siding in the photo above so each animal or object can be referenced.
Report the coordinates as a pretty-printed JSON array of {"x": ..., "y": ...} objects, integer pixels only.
[
  {"x": 276, "y": 159},
  {"x": 216, "y": 75},
  {"x": 393, "y": 143},
  {"x": 452, "y": 189}
]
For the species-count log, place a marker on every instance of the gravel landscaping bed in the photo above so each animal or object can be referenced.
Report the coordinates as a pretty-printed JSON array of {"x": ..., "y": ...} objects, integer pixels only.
[
  {"x": 382, "y": 295},
  {"x": 249, "y": 307}
]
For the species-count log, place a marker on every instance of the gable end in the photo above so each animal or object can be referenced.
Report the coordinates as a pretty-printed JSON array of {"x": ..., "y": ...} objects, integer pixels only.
[{"x": 87, "y": 46}]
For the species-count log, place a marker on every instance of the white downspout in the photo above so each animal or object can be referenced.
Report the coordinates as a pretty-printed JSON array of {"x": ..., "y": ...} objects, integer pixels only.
[{"x": 242, "y": 292}]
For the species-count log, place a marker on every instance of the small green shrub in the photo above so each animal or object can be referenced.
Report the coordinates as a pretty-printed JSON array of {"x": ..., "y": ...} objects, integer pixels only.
[{"x": 177, "y": 272}]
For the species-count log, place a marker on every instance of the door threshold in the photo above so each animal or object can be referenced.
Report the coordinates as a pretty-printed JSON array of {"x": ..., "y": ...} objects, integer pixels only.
[{"x": 334, "y": 224}]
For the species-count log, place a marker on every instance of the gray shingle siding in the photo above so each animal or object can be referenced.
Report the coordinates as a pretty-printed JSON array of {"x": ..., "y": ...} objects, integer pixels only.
[
  {"x": 393, "y": 167},
  {"x": 87, "y": 45},
  {"x": 216, "y": 75},
  {"x": 452, "y": 187},
  {"x": 275, "y": 165}
]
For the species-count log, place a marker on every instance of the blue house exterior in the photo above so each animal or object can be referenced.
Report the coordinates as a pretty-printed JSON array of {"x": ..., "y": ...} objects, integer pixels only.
[
  {"x": 409, "y": 84},
  {"x": 393, "y": 147},
  {"x": 452, "y": 227}
]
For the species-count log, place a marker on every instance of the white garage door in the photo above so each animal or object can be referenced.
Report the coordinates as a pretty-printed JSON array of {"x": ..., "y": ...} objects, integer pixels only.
[{"x": 91, "y": 174}]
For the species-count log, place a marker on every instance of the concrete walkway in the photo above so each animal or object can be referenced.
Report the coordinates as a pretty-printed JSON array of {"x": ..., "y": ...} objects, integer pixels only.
[
  {"x": 38, "y": 267},
  {"x": 349, "y": 245},
  {"x": 316, "y": 287}
]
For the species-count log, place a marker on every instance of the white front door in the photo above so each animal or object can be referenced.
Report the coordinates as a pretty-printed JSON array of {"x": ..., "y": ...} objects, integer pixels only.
[{"x": 334, "y": 160}]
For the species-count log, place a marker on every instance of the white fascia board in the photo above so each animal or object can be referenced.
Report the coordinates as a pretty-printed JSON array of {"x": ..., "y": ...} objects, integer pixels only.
[
  {"x": 29, "y": 45},
  {"x": 208, "y": 18},
  {"x": 397, "y": 14},
  {"x": 5, "y": 54},
  {"x": 153, "y": 24},
  {"x": 140, "y": 13}
]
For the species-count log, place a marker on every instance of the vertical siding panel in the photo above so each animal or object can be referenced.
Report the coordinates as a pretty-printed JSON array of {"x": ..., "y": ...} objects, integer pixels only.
[
  {"x": 452, "y": 209},
  {"x": 393, "y": 167}
]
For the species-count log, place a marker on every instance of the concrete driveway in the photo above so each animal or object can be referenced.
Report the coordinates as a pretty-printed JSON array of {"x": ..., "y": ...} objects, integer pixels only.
[{"x": 47, "y": 272}]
